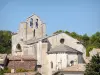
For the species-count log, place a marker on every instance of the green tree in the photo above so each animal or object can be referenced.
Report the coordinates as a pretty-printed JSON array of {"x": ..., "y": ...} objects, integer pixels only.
[
  {"x": 76, "y": 36},
  {"x": 59, "y": 31},
  {"x": 95, "y": 39},
  {"x": 1, "y": 72},
  {"x": 85, "y": 39},
  {"x": 93, "y": 68},
  {"x": 67, "y": 32},
  {"x": 5, "y": 42}
]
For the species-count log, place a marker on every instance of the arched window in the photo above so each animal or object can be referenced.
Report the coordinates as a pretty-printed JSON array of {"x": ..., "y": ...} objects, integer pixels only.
[
  {"x": 62, "y": 41},
  {"x": 51, "y": 64},
  {"x": 19, "y": 47},
  {"x": 34, "y": 32},
  {"x": 72, "y": 63},
  {"x": 37, "y": 23},
  {"x": 31, "y": 22}
]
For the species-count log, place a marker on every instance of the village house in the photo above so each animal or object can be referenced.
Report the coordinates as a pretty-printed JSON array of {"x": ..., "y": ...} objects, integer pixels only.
[
  {"x": 94, "y": 51},
  {"x": 3, "y": 60},
  {"x": 78, "y": 69}
]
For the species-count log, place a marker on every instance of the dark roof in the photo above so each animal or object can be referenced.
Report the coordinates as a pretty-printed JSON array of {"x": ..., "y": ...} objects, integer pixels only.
[{"x": 63, "y": 49}]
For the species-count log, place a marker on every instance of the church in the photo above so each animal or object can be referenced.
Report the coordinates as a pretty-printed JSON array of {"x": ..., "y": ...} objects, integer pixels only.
[{"x": 52, "y": 53}]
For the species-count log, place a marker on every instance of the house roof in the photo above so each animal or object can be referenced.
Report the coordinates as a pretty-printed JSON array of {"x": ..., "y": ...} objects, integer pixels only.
[
  {"x": 24, "y": 57},
  {"x": 2, "y": 58},
  {"x": 32, "y": 41},
  {"x": 63, "y": 49},
  {"x": 75, "y": 68},
  {"x": 96, "y": 49}
]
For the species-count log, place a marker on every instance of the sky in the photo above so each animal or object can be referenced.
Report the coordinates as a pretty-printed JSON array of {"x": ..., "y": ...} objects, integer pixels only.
[{"x": 80, "y": 16}]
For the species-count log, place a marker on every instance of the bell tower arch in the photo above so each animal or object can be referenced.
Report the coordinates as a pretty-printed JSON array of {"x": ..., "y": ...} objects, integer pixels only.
[{"x": 35, "y": 27}]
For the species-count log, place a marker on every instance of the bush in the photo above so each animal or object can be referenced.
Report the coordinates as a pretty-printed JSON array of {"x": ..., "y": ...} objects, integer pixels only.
[
  {"x": 93, "y": 68},
  {"x": 30, "y": 70},
  {"x": 1, "y": 72},
  {"x": 7, "y": 70},
  {"x": 88, "y": 49},
  {"x": 21, "y": 70}
]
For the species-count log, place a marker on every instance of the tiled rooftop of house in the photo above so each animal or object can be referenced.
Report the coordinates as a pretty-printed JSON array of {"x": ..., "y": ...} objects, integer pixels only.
[
  {"x": 75, "y": 68},
  {"x": 97, "y": 49}
]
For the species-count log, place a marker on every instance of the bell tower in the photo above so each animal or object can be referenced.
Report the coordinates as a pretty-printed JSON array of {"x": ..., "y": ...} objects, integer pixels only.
[{"x": 35, "y": 27}]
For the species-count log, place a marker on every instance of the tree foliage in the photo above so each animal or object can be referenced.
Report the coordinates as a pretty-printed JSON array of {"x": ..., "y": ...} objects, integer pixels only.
[
  {"x": 5, "y": 42},
  {"x": 93, "y": 68},
  {"x": 59, "y": 31},
  {"x": 1, "y": 72}
]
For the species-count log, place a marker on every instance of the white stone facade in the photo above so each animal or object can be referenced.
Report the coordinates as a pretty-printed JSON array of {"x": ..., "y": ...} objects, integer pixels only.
[
  {"x": 31, "y": 39},
  {"x": 94, "y": 52},
  {"x": 25, "y": 33}
]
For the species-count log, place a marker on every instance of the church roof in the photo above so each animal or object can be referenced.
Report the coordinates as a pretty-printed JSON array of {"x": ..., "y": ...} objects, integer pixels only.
[
  {"x": 34, "y": 40},
  {"x": 63, "y": 49}
]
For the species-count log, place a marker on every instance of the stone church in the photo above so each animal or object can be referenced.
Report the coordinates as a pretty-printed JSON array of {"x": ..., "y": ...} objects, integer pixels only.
[{"x": 52, "y": 53}]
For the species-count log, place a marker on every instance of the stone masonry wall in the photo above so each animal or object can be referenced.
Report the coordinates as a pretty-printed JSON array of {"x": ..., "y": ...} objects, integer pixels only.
[
  {"x": 26, "y": 73},
  {"x": 28, "y": 65}
]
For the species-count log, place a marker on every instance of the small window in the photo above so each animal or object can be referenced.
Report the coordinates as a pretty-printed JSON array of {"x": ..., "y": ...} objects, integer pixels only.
[
  {"x": 19, "y": 47},
  {"x": 34, "y": 33},
  {"x": 62, "y": 41},
  {"x": 37, "y": 23},
  {"x": 51, "y": 64},
  {"x": 44, "y": 41},
  {"x": 31, "y": 22},
  {"x": 72, "y": 63}
]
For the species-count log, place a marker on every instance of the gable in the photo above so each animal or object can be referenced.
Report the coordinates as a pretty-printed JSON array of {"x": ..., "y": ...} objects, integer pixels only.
[{"x": 68, "y": 40}]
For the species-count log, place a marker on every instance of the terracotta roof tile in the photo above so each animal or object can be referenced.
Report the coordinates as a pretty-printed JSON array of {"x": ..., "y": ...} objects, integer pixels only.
[{"x": 75, "y": 68}]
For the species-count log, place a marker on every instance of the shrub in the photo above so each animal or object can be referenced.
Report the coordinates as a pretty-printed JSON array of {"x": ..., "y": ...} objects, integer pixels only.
[
  {"x": 21, "y": 70},
  {"x": 38, "y": 73},
  {"x": 1, "y": 72},
  {"x": 93, "y": 68},
  {"x": 88, "y": 49},
  {"x": 7, "y": 70},
  {"x": 30, "y": 70}
]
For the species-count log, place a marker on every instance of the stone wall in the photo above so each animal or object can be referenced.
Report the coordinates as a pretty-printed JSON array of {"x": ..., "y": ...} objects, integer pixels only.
[
  {"x": 28, "y": 65},
  {"x": 45, "y": 62},
  {"x": 25, "y": 73},
  {"x": 68, "y": 40}
]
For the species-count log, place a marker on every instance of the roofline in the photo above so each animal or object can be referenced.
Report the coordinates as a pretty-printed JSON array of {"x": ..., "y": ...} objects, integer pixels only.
[
  {"x": 22, "y": 59},
  {"x": 44, "y": 38},
  {"x": 64, "y": 52},
  {"x": 72, "y": 71},
  {"x": 77, "y": 52}
]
